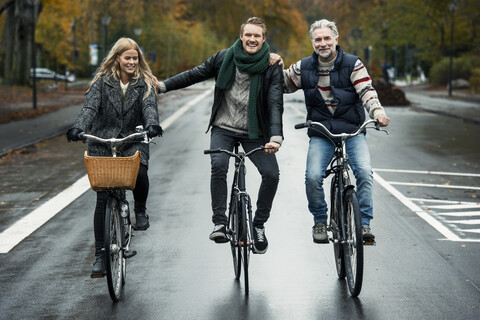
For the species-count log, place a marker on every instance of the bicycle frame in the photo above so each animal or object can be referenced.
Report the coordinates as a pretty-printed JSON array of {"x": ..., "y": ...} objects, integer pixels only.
[
  {"x": 118, "y": 227},
  {"x": 347, "y": 235},
  {"x": 240, "y": 210}
]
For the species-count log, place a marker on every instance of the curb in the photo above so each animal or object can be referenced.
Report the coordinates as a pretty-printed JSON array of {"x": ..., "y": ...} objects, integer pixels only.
[{"x": 61, "y": 130}]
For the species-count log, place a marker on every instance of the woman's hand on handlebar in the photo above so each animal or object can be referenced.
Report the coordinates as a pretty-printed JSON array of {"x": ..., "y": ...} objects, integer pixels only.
[
  {"x": 271, "y": 147},
  {"x": 75, "y": 134},
  {"x": 383, "y": 121}
]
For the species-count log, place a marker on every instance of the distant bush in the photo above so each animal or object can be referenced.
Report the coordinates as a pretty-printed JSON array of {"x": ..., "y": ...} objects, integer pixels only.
[{"x": 462, "y": 69}]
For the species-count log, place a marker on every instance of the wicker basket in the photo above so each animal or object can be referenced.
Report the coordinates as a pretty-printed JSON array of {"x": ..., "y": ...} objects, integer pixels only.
[{"x": 110, "y": 172}]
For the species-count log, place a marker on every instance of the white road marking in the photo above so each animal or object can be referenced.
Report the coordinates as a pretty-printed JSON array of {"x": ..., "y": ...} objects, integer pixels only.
[
  {"x": 12, "y": 236},
  {"x": 459, "y": 203},
  {"x": 21, "y": 229},
  {"x": 474, "y": 221},
  {"x": 460, "y": 174},
  {"x": 471, "y": 230},
  {"x": 416, "y": 209},
  {"x": 457, "y": 206},
  {"x": 460, "y": 213},
  {"x": 428, "y": 185}
]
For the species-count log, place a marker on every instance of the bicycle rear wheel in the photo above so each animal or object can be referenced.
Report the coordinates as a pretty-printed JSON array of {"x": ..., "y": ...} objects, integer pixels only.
[
  {"x": 353, "y": 246},
  {"x": 234, "y": 239},
  {"x": 246, "y": 241},
  {"x": 114, "y": 260},
  {"x": 335, "y": 228}
]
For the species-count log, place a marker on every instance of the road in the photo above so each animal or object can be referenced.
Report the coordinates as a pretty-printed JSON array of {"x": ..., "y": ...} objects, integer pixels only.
[{"x": 425, "y": 264}]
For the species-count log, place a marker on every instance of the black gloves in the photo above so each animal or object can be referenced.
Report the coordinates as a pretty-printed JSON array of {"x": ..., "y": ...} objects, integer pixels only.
[
  {"x": 154, "y": 130},
  {"x": 73, "y": 134}
]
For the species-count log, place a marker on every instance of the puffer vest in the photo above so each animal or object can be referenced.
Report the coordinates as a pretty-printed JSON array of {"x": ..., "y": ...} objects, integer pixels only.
[{"x": 349, "y": 114}]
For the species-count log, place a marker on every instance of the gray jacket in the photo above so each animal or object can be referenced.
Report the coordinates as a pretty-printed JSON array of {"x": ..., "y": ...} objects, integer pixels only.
[{"x": 105, "y": 116}]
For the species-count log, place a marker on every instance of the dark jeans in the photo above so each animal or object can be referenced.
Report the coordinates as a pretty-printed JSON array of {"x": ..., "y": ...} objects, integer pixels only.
[
  {"x": 265, "y": 163},
  {"x": 140, "y": 194}
]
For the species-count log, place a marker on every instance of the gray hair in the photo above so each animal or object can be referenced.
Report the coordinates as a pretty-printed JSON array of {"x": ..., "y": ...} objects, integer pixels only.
[{"x": 323, "y": 23}]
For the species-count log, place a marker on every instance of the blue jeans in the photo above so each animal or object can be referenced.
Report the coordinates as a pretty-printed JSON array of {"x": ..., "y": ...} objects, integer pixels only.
[{"x": 320, "y": 153}]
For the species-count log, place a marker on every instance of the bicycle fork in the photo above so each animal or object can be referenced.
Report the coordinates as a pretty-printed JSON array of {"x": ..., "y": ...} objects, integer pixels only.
[{"x": 126, "y": 228}]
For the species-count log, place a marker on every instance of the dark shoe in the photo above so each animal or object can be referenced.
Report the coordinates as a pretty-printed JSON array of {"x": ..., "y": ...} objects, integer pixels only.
[
  {"x": 141, "y": 221},
  {"x": 260, "y": 242},
  {"x": 319, "y": 232},
  {"x": 98, "y": 269},
  {"x": 219, "y": 234},
  {"x": 368, "y": 237}
]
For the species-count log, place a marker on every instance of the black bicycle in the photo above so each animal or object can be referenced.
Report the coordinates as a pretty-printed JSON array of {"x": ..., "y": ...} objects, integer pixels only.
[
  {"x": 345, "y": 222},
  {"x": 240, "y": 222},
  {"x": 115, "y": 175}
]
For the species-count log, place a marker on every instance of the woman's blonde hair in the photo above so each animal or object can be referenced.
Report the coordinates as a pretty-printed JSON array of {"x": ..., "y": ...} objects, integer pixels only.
[{"x": 111, "y": 66}]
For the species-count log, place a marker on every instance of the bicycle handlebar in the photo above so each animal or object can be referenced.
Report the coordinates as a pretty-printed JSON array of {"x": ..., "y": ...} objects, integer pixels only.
[
  {"x": 117, "y": 140},
  {"x": 310, "y": 124},
  {"x": 232, "y": 154}
]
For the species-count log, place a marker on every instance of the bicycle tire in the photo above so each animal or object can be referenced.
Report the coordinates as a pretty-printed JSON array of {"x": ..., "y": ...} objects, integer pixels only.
[
  {"x": 353, "y": 246},
  {"x": 335, "y": 228},
  {"x": 114, "y": 260},
  {"x": 246, "y": 242},
  {"x": 234, "y": 240}
]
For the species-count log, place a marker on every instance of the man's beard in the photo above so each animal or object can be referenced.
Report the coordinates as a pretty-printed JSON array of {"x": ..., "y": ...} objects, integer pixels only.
[{"x": 325, "y": 54}]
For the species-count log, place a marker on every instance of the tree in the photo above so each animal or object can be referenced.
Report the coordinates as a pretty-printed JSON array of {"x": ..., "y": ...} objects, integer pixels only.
[{"x": 18, "y": 38}]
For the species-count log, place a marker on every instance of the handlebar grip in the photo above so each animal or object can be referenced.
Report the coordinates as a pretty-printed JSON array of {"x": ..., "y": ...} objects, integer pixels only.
[
  {"x": 211, "y": 151},
  {"x": 301, "y": 125}
]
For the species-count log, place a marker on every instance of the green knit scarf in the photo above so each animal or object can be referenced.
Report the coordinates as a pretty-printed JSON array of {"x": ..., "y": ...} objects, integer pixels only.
[{"x": 255, "y": 65}]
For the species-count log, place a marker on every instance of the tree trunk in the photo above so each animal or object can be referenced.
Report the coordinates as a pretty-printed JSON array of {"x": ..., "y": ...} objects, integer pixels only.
[
  {"x": 24, "y": 27},
  {"x": 8, "y": 40}
]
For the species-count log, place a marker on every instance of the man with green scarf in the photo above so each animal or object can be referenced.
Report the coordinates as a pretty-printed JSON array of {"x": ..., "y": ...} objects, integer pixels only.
[{"x": 247, "y": 108}]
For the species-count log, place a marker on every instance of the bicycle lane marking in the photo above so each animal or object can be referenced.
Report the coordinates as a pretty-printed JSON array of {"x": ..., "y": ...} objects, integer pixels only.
[
  {"x": 447, "y": 233},
  {"x": 24, "y": 227}
]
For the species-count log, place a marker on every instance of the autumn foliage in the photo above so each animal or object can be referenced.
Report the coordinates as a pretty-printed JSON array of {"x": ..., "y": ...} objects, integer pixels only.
[{"x": 179, "y": 34}]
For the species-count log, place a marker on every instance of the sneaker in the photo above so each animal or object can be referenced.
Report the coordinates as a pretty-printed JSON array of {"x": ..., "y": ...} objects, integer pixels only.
[
  {"x": 367, "y": 234},
  {"x": 219, "y": 234},
  {"x": 141, "y": 221},
  {"x": 319, "y": 232},
  {"x": 260, "y": 242}
]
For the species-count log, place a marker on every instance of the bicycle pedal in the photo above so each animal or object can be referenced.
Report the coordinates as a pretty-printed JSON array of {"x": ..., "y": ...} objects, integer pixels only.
[
  {"x": 97, "y": 275},
  {"x": 369, "y": 243},
  {"x": 130, "y": 255}
]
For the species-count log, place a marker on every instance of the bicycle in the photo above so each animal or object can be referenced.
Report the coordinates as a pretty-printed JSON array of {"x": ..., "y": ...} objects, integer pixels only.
[
  {"x": 115, "y": 175},
  {"x": 240, "y": 222},
  {"x": 345, "y": 223}
]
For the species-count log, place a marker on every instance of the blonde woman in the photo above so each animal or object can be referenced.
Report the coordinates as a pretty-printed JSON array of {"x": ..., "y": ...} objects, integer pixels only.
[{"x": 121, "y": 96}]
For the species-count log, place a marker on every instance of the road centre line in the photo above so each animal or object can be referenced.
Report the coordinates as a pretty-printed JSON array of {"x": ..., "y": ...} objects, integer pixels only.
[
  {"x": 21, "y": 229},
  {"x": 416, "y": 209}
]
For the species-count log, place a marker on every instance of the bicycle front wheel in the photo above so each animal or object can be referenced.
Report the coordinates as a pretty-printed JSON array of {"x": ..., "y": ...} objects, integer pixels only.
[
  {"x": 234, "y": 238},
  {"x": 335, "y": 228},
  {"x": 246, "y": 241},
  {"x": 114, "y": 260},
  {"x": 353, "y": 246}
]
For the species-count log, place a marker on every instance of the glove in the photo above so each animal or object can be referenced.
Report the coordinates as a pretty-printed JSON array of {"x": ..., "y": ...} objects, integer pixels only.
[
  {"x": 154, "y": 130},
  {"x": 73, "y": 134}
]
